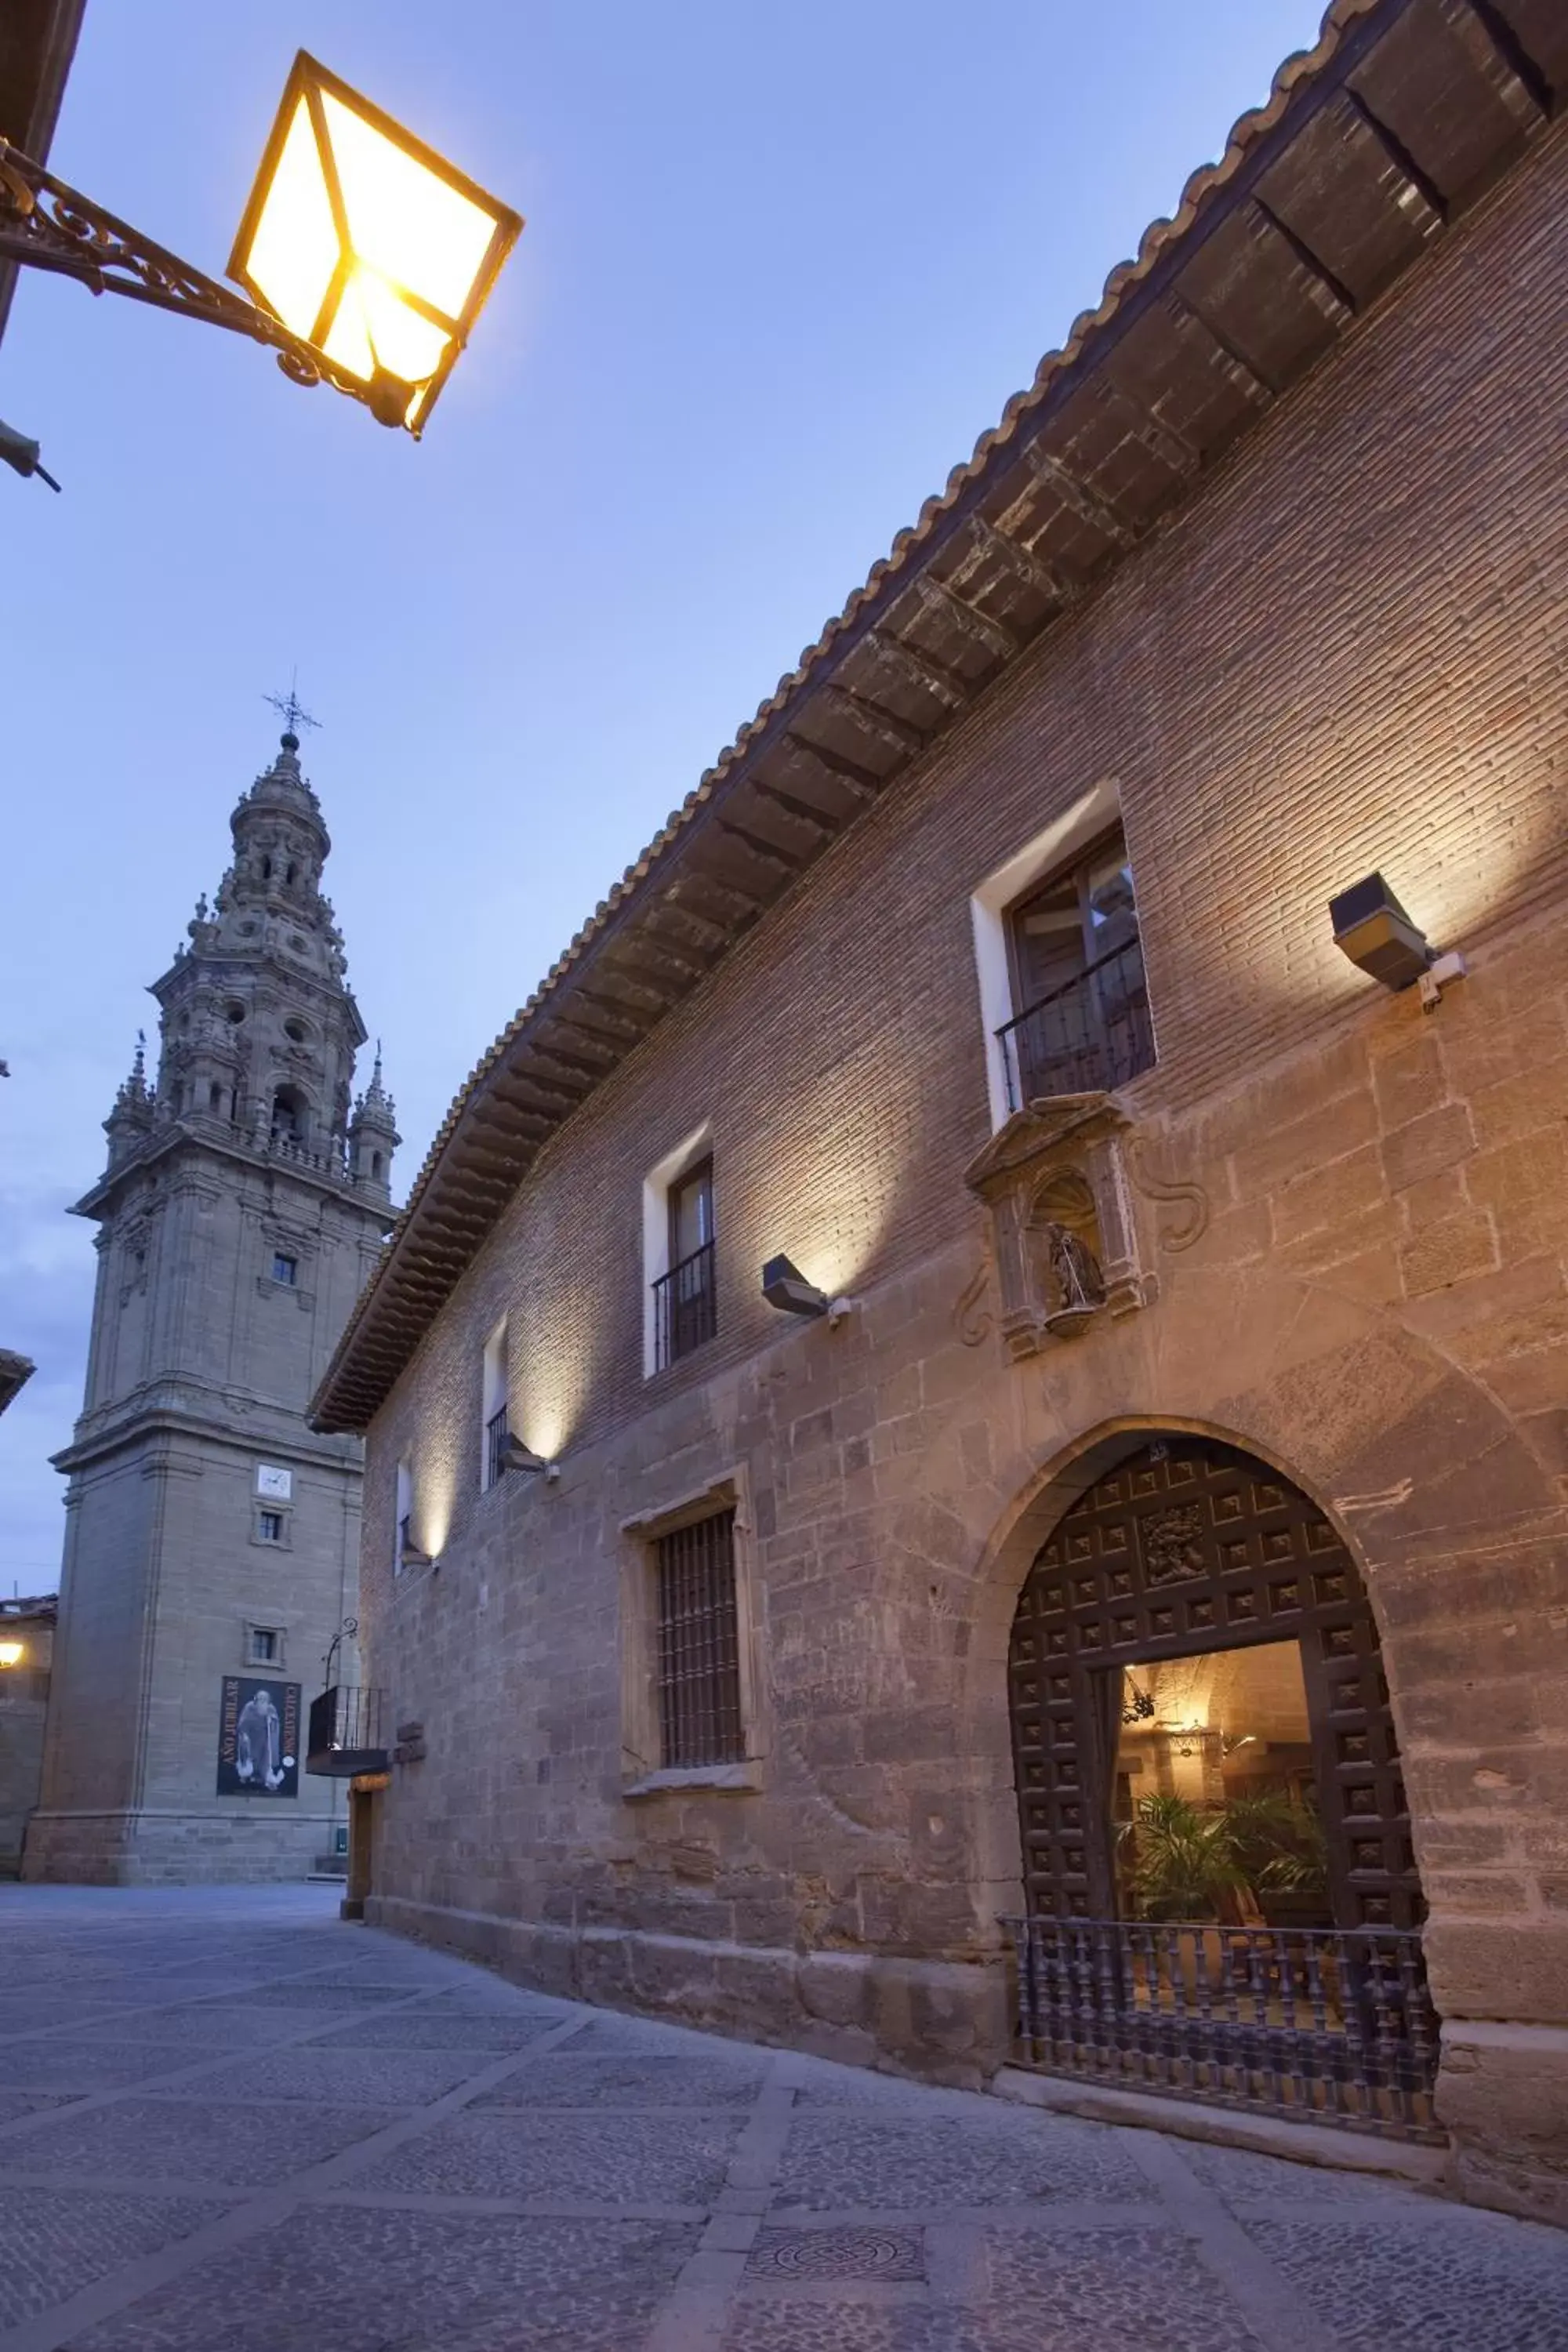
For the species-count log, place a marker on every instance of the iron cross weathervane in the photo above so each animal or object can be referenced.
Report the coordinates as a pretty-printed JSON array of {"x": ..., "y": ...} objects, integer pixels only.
[{"x": 291, "y": 709}]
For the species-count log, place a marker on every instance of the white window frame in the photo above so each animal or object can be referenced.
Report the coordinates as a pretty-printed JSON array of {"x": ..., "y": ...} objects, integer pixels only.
[
  {"x": 493, "y": 1394},
  {"x": 658, "y": 1185},
  {"x": 1058, "y": 844}
]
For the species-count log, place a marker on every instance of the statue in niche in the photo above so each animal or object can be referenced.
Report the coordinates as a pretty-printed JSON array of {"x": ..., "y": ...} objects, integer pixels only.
[
  {"x": 1075, "y": 1275},
  {"x": 1063, "y": 1241}
]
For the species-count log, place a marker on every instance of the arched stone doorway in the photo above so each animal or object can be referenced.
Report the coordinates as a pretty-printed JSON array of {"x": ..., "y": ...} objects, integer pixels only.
[{"x": 1189, "y": 1583}]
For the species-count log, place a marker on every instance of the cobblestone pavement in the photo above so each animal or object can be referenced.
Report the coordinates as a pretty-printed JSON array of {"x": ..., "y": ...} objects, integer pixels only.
[{"x": 230, "y": 2124}]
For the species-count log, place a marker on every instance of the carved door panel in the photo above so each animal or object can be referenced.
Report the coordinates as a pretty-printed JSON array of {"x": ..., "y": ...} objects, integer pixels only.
[{"x": 1191, "y": 1547}]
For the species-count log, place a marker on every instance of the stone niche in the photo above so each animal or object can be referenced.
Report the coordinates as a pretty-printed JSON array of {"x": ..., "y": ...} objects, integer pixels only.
[{"x": 1064, "y": 1238}]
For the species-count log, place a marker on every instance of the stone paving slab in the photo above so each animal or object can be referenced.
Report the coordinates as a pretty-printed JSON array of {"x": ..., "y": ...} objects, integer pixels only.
[
  {"x": 635, "y": 2160},
  {"x": 346, "y": 2279},
  {"x": 213, "y": 2026},
  {"x": 424, "y": 2029},
  {"x": 566, "y": 2080},
  {"x": 57, "y": 2242},
  {"x": 61, "y": 2064},
  {"x": 179, "y": 2140},
  {"x": 1469, "y": 2287},
  {"x": 387, "y": 2150},
  {"x": 858, "y": 2158},
  {"x": 323, "y": 2072},
  {"x": 13, "y": 2105}
]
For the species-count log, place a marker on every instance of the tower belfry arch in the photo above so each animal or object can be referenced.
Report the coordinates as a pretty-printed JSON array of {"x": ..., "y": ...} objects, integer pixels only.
[{"x": 212, "y": 1536}]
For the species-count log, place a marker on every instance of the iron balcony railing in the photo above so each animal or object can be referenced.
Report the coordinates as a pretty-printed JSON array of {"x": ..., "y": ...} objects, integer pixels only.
[
  {"x": 685, "y": 1307},
  {"x": 1093, "y": 1032},
  {"x": 345, "y": 1733},
  {"x": 1321, "y": 2025},
  {"x": 496, "y": 1435}
]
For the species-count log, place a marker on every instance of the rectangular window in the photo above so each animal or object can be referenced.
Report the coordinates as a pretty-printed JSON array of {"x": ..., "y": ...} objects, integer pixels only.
[
  {"x": 493, "y": 1405},
  {"x": 699, "y": 1668},
  {"x": 403, "y": 1519},
  {"x": 269, "y": 1526},
  {"x": 265, "y": 1645},
  {"x": 285, "y": 1269},
  {"x": 685, "y": 1297},
  {"x": 1081, "y": 1020}
]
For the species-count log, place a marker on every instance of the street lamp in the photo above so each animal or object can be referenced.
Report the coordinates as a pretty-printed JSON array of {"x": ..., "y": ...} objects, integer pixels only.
[
  {"x": 366, "y": 245},
  {"x": 367, "y": 256}
]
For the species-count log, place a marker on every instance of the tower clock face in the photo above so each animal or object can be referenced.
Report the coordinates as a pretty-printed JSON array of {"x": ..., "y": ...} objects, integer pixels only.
[{"x": 277, "y": 1486}]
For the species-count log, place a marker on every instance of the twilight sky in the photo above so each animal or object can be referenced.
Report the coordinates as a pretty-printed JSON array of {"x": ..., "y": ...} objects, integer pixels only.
[{"x": 785, "y": 261}]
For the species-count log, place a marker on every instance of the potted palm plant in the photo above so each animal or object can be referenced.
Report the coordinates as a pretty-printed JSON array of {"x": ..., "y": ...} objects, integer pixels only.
[{"x": 1185, "y": 1868}]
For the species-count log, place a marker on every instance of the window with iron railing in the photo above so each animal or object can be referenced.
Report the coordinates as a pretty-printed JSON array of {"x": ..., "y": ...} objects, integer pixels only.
[
  {"x": 495, "y": 1434},
  {"x": 493, "y": 1394},
  {"x": 699, "y": 1658},
  {"x": 1083, "y": 1021},
  {"x": 686, "y": 1305}
]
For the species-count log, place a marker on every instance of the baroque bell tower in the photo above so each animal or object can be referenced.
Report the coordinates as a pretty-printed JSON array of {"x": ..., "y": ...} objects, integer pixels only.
[{"x": 212, "y": 1537}]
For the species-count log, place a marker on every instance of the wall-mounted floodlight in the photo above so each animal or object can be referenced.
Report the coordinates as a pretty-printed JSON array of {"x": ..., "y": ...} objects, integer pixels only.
[
  {"x": 1373, "y": 928},
  {"x": 785, "y": 1287},
  {"x": 410, "y": 1556},
  {"x": 515, "y": 1455}
]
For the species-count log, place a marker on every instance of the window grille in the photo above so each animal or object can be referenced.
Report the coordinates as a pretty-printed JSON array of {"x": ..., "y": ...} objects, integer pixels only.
[{"x": 699, "y": 1659}]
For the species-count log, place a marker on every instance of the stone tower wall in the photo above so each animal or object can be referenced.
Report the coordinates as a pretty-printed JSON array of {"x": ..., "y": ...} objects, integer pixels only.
[{"x": 204, "y": 1353}]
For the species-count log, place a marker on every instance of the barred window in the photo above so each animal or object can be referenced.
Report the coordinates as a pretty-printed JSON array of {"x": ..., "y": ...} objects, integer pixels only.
[{"x": 699, "y": 1668}]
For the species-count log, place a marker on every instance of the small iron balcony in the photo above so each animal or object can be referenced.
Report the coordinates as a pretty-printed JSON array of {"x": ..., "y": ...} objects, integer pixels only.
[
  {"x": 496, "y": 1435},
  {"x": 344, "y": 1734},
  {"x": 1093, "y": 1032},
  {"x": 685, "y": 1307}
]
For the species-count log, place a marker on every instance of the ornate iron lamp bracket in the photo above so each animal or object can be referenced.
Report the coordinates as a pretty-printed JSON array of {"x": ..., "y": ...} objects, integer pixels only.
[{"x": 46, "y": 225}]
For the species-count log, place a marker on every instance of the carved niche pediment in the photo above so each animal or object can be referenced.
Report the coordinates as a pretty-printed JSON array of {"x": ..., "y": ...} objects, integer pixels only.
[{"x": 1063, "y": 1232}]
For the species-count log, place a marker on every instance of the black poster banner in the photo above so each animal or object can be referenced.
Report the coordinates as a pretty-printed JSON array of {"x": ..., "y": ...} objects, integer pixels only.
[{"x": 259, "y": 1738}]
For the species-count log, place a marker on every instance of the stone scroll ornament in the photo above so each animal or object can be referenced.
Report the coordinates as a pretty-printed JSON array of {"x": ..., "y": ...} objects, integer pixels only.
[
  {"x": 1190, "y": 1200},
  {"x": 1064, "y": 1238}
]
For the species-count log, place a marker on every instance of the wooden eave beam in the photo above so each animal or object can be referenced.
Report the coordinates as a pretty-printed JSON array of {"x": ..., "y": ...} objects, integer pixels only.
[
  {"x": 1332, "y": 296},
  {"x": 1513, "y": 56},
  {"x": 668, "y": 909},
  {"x": 1422, "y": 202},
  {"x": 1001, "y": 642},
  {"x": 825, "y": 824},
  {"x": 863, "y": 784},
  {"x": 1024, "y": 564},
  {"x": 646, "y": 951},
  {"x": 770, "y": 853},
  {"x": 873, "y": 719},
  {"x": 1170, "y": 448},
  {"x": 1076, "y": 497},
  {"x": 1234, "y": 363},
  {"x": 921, "y": 671}
]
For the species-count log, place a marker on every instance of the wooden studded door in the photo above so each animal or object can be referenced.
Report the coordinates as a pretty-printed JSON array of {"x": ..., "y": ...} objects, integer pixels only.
[{"x": 1192, "y": 1547}]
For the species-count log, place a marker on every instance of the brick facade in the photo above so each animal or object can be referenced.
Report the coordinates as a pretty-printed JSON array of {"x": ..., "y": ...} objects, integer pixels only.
[{"x": 1345, "y": 653}]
